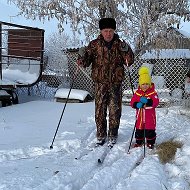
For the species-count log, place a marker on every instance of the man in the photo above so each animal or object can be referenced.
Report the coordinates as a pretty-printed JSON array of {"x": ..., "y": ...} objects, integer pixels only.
[{"x": 107, "y": 54}]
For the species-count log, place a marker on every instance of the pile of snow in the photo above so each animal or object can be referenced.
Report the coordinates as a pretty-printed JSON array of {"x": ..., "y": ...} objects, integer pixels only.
[{"x": 75, "y": 94}]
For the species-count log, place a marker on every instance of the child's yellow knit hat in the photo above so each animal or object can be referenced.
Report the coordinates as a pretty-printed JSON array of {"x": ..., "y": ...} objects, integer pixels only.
[{"x": 144, "y": 76}]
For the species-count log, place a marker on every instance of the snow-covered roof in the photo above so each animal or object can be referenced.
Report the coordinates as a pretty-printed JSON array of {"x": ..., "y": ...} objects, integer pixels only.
[
  {"x": 167, "y": 54},
  {"x": 184, "y": 33}
]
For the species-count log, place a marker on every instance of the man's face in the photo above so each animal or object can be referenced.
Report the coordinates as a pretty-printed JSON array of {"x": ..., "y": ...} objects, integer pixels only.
[{"x": 107, "y": 34}]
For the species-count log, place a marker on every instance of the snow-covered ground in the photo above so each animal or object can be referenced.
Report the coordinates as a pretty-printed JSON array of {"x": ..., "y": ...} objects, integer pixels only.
[{"x": 27, "y": 162}]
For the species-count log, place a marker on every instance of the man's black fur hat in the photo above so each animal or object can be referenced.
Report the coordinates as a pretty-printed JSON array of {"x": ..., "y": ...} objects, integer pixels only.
[{"x": 107, "y": 23}]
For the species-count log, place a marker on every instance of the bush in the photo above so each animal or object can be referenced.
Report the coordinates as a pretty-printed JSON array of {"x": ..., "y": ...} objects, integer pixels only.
[{"x": 167, "y": 150}]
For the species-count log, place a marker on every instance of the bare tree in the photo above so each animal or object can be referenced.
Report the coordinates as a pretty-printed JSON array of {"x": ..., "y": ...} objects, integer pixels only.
[
  {"x": 139, "y": 21},
  {"x": 55, "y": 47},
  {"x": 150, "y": 20}
]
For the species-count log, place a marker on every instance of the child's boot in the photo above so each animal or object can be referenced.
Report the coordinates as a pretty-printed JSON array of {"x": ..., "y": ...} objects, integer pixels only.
[
  {"x": 136, "y": 145},
  {"x": 150, "y": 146}
]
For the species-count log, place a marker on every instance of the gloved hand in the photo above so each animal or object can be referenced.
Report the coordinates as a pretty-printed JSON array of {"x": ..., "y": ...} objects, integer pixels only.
[
  {"x": 139, "y": 105},
  {"x": 124, "y": 46},
  {"x": 144, "y": 100},
  {"x": 81, "y": 51}
]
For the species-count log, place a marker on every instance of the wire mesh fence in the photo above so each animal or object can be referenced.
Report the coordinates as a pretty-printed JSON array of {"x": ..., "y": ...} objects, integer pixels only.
[{"x": 169, "y": 76}]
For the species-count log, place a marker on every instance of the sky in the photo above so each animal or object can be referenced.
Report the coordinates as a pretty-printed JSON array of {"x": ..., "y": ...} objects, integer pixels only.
[
  {"x": 9, "y": 11},
  {"x": 28, "y": 163}
]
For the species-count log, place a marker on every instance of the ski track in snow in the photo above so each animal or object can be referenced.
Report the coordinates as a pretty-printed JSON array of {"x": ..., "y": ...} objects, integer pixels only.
[
  {"x": 119, "y": 170},
  {"x": 96, "y": 174},
  {"x": 67, "y": 179}
]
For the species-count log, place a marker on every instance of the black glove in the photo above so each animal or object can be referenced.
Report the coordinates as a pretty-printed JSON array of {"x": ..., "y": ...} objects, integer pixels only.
[
  {"x": 149, "y": 103},
  {"x": 124, "y": 46}
]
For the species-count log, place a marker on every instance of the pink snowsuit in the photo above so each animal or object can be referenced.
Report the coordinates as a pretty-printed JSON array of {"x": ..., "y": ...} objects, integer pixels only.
[{"x": 146, "y": 116}]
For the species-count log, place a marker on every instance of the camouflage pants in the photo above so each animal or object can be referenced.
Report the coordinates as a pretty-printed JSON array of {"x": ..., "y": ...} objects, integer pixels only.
[{"x": 108, "y": 98}]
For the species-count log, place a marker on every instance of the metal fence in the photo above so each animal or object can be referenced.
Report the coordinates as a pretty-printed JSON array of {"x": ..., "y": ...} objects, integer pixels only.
[{"x": 168, "y": 75}]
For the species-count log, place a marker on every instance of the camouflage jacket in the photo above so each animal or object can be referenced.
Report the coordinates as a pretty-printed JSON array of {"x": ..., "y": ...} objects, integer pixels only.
[{"x": 107, "y": 64}]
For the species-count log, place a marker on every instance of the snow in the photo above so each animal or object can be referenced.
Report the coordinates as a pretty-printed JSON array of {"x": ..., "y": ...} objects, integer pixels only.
[
  {"x": 27, "y": 72},
  {"x": 167, "y": 54},
  {"x": 16, "y": 76},
  {"x": 27, "y": 162}
]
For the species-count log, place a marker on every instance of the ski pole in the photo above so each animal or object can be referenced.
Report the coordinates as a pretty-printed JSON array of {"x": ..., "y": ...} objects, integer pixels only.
[
  {"x": 75, "y": 74},
  {"x": 144, "y": 131},
  {"x": 130, "y": 80},
  {"x": 133, "y": 131}
]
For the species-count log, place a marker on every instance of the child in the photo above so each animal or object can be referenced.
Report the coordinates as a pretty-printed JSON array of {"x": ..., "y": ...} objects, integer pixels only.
[{"x": 145, "y": 100}]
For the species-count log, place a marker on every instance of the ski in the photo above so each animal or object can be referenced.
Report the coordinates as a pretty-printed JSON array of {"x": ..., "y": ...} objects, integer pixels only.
[
  {"x": 148, "y": 152},
  {"x": 106, "y": 148},
  {"x": 139, "y": 161},
  {"x": 85, "y": 151},
  {"x": 82, "y": 153},
  {"x": 104, "y": 154}
]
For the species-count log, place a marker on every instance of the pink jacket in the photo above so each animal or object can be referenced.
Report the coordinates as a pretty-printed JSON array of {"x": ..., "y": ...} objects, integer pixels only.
[{"x": 146, "y": 115}]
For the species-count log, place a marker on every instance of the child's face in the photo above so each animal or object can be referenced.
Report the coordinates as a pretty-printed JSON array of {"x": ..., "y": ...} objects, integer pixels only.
[{"x": 145, "y": 86}]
